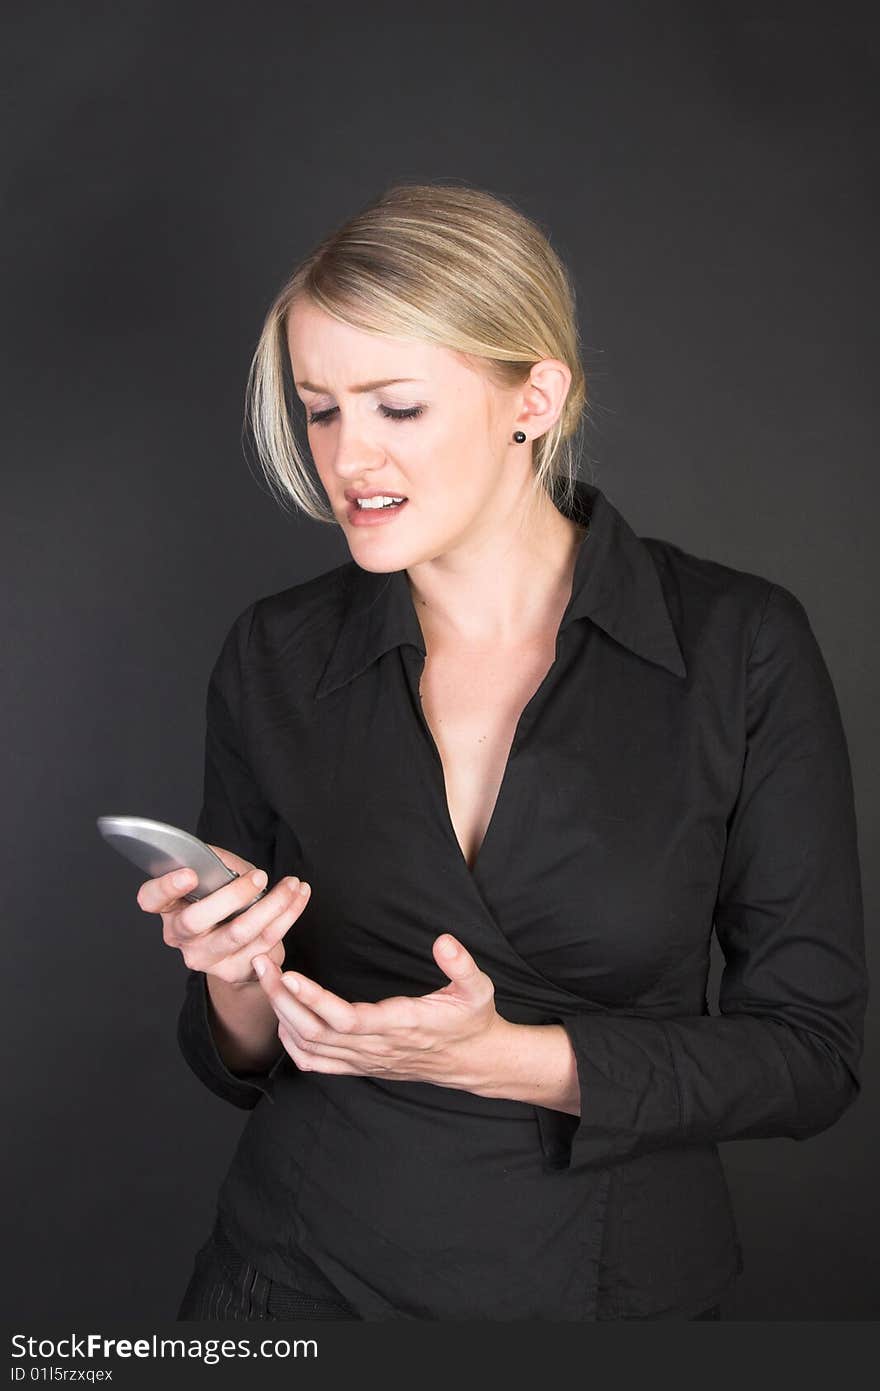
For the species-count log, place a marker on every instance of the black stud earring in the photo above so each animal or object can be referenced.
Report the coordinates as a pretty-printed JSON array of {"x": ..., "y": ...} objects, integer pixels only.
[{"x": 519, "y": 436}]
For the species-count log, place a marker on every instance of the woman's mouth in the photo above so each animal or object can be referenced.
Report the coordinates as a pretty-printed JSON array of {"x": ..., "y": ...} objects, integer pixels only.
[{"x": 377, "y": 511}]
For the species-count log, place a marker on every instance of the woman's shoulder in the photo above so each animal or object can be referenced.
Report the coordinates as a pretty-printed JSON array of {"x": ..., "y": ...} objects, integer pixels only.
[
  {"x": 701, "y": 588},
  {"x": 291, "y": 630},
  {"x": 705, "y": 574},
  {"x": 730, "y": 618},
  {"x": 318, "y": 601}
]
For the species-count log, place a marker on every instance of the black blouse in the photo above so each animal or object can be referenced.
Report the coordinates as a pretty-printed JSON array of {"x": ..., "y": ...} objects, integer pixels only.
[{"x": 682, "y": 765}]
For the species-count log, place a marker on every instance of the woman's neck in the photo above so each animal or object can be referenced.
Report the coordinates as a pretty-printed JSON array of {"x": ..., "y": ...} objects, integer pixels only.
[{"x": 509, "y": 595}]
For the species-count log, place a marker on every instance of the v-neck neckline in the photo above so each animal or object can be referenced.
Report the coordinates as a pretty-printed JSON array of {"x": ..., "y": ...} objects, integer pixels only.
[
  {"x": 472, "y": 871},
  {"x": 422, "y": 654}
]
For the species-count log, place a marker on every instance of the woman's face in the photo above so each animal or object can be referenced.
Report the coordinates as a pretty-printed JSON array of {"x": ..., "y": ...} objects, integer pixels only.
[{"x": 442, "y": 440}]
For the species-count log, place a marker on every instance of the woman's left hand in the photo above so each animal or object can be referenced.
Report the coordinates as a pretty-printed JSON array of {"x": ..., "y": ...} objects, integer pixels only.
[{"x": 446, "y": 1037}]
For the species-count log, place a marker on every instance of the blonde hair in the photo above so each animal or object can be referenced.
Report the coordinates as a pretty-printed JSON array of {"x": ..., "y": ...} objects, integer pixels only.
[{"x": 446, "y": 264}]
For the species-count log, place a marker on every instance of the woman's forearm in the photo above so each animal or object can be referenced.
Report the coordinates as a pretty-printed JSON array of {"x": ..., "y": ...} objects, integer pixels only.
[{"x": 244, "y": 1025}]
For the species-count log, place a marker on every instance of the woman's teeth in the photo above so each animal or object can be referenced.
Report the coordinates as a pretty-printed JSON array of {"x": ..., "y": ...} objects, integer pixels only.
[{"x": 380, "y": 501}]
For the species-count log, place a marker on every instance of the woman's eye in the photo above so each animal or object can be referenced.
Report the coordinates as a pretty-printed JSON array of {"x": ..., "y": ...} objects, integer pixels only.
[
  {"x": 409, "y": 414},
  {"x": 321, "y": 417}
]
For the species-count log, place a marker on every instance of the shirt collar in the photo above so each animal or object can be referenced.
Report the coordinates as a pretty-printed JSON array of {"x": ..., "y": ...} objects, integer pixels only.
[{"x": 615, "y": 585}]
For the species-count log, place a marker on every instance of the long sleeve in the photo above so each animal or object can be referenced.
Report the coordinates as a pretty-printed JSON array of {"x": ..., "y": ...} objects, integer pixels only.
[
  {"x": 234, "y": 816},
  {"x": 782, "y": 1057}
]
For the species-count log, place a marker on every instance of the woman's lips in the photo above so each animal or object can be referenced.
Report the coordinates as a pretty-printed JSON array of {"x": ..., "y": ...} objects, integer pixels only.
[{"x": 374, "y": 516}]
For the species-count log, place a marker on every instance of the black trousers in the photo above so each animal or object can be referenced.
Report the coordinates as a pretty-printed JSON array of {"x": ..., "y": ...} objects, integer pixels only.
[{"x": 224, "y": 1286}]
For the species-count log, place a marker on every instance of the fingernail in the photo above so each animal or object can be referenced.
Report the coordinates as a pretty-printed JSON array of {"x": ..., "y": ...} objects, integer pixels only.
[
  {"x": 181, "y": 880},
  {"x": 448, "y": 947},
  {"x": 259, "y": 966},
  {"x": 259, "y": 877}
]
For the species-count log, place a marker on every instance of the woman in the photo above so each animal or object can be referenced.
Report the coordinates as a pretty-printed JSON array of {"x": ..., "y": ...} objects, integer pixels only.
[{"x": 509, "y": 726}]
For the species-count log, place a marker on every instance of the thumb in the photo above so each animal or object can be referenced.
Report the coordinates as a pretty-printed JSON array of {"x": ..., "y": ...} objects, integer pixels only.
[
  {"x": 455, "y": 960},
  {"x": 265, "y": 969}
]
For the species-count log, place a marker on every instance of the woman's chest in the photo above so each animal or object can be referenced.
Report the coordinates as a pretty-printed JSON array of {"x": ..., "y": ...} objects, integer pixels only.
[
  {"x": 472, "y": 703},
  {"x": 567, "y": 816}
]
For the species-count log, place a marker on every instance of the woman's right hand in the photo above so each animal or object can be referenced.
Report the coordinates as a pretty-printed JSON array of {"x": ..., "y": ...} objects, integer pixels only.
[{"x": 225, "y": 951}]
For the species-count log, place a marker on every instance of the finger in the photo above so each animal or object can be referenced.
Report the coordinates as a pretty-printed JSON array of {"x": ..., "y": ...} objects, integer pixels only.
[
  {"x": 313, "y": 1062},
  {"x": 299, "y": 1018},
  {"x": 273, "y": 914},
  {"x": 290, "y": 993},
  {"x": 358, "y": 1017},
  {"x": 241, "y": 962},
  {"x": 362, "y": 1051},
  {"x": 341, "y": 1015},
  {"x": 229, "y": 900},
  {"x": 160, "y": 895}
]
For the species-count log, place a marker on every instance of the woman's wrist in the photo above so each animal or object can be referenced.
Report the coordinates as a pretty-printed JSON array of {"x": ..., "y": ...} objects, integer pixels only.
[
  {"x": 243, "y": 1024},
  {"x": 533, "y": 1063}
]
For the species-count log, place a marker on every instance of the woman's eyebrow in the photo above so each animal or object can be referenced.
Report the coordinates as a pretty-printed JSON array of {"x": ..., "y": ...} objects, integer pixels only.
[{"x": 365, "y": 386}]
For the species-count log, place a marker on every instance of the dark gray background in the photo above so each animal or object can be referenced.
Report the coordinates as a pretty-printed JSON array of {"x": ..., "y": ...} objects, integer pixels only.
[{"x": 711, "y": 183}]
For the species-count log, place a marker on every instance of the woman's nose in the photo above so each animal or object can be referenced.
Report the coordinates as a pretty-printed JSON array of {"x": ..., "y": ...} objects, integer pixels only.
[{"x": 354, "y": 451}]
